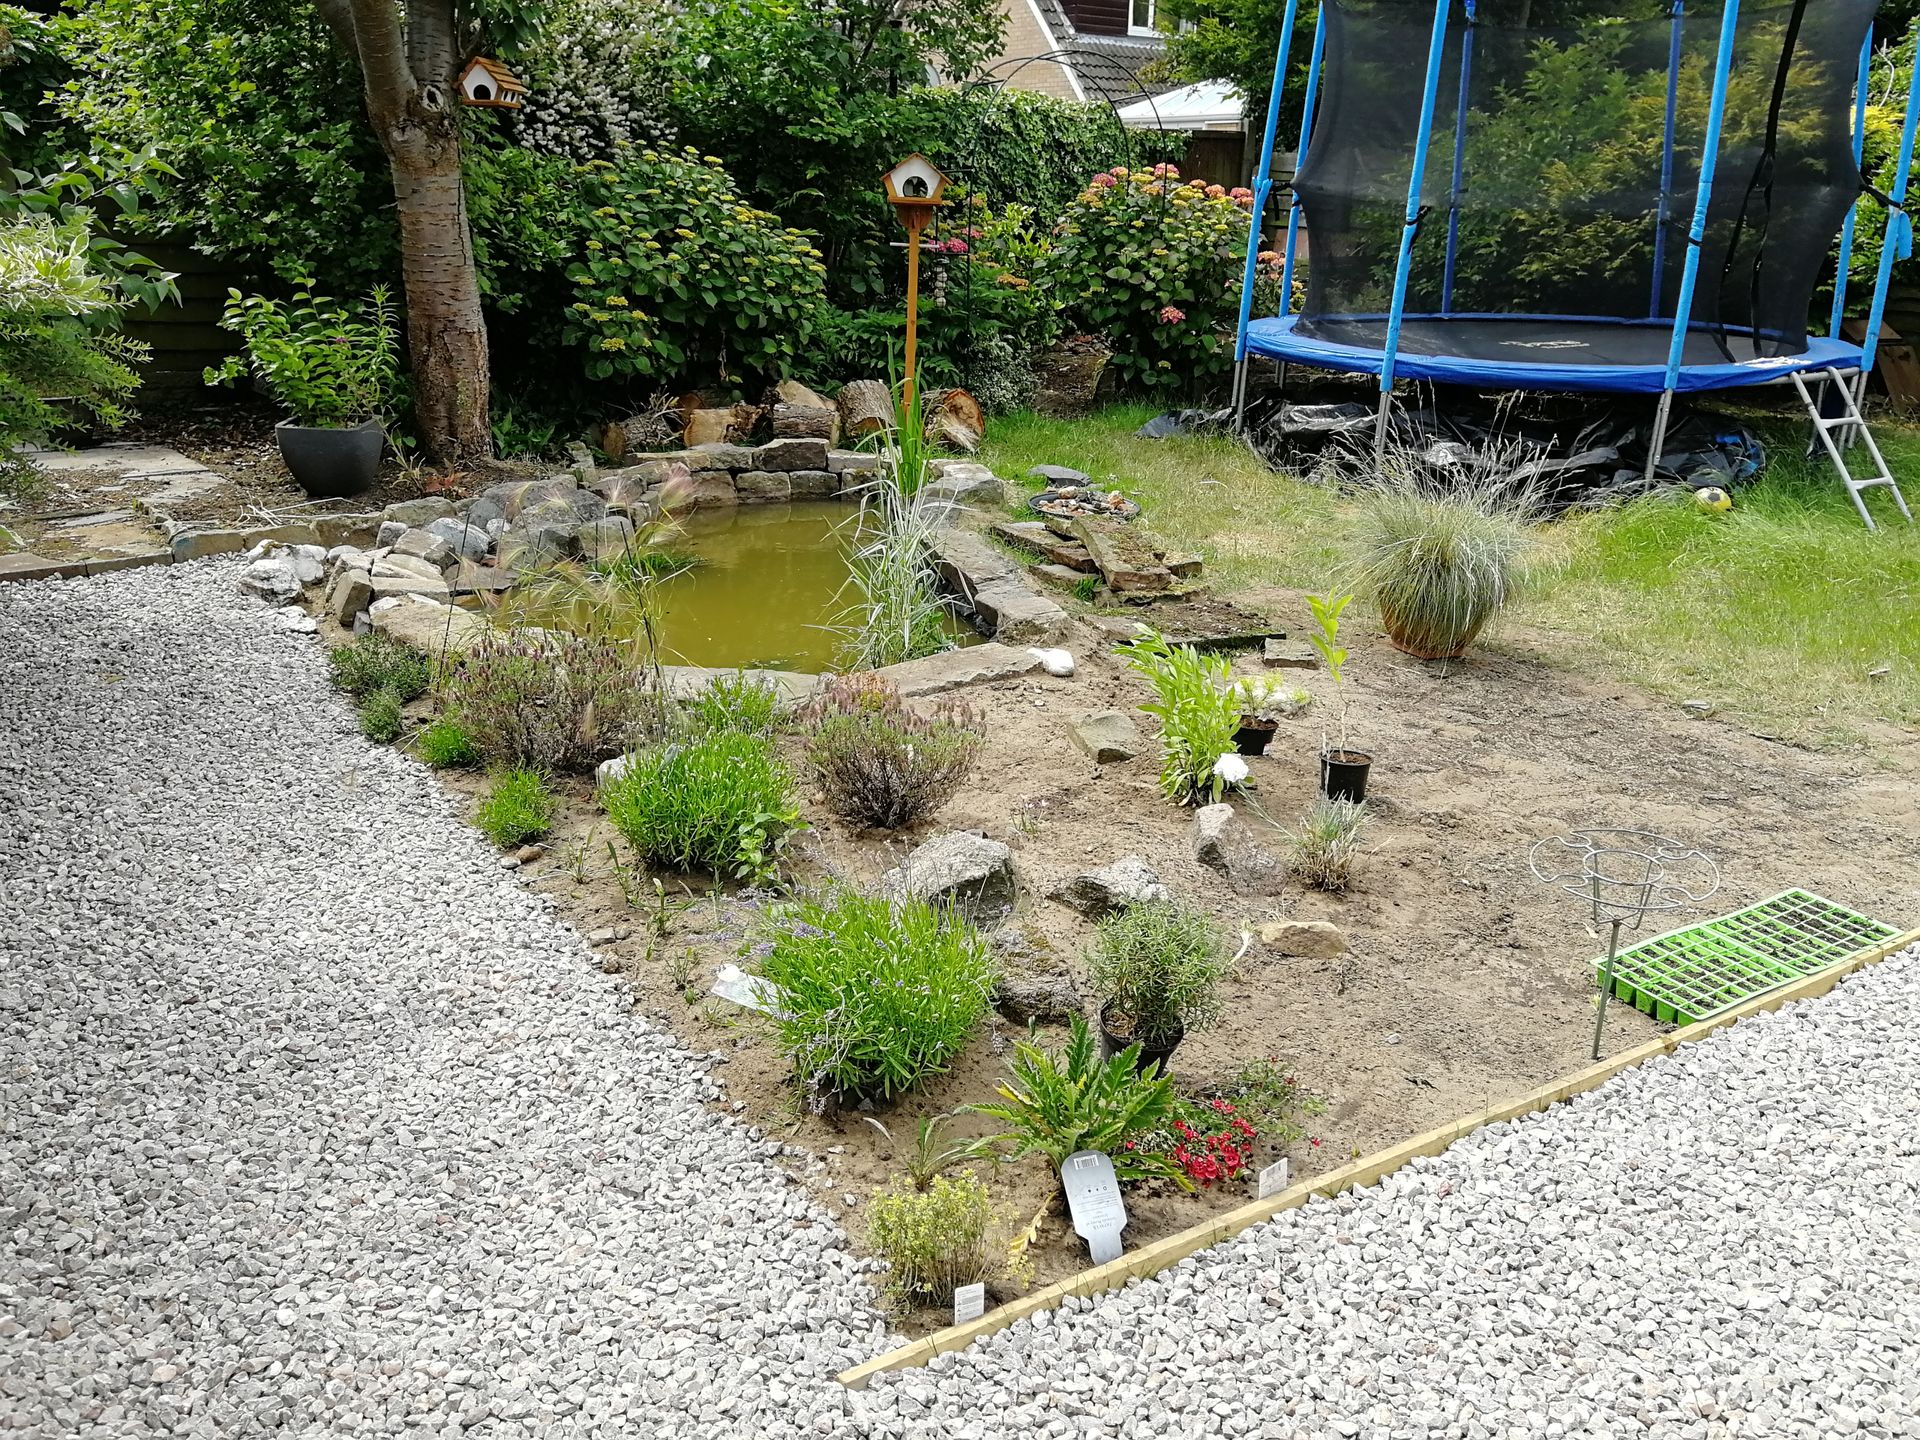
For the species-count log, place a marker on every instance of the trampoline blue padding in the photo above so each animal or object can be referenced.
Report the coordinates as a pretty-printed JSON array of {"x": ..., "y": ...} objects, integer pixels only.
[{"x": 1539, "y": 352}]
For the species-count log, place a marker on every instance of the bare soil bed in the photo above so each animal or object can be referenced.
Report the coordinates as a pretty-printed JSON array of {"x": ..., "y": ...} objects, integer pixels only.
[{"x": 1467, "y": 980}]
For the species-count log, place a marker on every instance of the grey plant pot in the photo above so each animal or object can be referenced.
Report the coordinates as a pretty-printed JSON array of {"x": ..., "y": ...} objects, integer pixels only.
[{"x": 330, "y": 461}]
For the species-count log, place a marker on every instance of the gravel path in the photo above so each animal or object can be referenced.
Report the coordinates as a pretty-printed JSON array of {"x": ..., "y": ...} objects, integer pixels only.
[
  {"x": 311, "y": 1118},
  {"x": 313, "y": 1123}
]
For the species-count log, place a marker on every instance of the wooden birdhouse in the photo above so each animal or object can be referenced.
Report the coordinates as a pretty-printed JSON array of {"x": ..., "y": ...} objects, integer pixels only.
[
  {"x": 488, "y": 82},
  {"x": 916, "y": 180}
]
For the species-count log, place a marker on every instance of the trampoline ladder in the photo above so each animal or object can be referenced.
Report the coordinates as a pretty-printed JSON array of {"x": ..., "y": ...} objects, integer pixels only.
[{"x": 1838, "y": 433}]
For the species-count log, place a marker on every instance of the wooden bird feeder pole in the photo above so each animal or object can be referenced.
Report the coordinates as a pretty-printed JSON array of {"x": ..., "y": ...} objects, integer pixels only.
[{"x": 914, "y": 189}]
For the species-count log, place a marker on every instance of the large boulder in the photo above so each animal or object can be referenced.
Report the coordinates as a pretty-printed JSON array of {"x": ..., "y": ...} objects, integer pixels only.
[
  {"x": 969, "y": 872},
  {"x": 1223, "y": 842},
  {"x": 271, "y": 578},
  {"x": 426, "y": 625},
  {"x": 605, "y": 539},
  {"x": 1127, "y": 881}
]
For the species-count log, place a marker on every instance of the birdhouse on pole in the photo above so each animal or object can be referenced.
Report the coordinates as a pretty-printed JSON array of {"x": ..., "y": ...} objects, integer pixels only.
[
  {"x": 915, "y": 189},
  {"x": 489, "y": 83}
]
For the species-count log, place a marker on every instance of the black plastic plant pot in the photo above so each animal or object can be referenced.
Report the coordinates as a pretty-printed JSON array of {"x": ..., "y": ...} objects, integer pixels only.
[
  {"x": 329, "y": 462},
  {"x": 1252, "y": 737},
  {"x": 1160, "y": 1054},
  {"x": 1343, "y": 774}
]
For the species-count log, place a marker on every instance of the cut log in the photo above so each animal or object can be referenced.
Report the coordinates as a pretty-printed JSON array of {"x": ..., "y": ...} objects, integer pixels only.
[
  {"x": 806, "y": 422},
  {"x": 866, "y": 408},
  {"x": 1122, "y": 556},
  {"x": 709, "y": 427},
  {"x": 954, "y": 418},
  {"x": 792, "y": 392}
]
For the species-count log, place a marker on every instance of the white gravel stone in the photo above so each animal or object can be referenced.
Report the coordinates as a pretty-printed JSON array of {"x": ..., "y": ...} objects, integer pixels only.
[{"x": 312, "y": 1122}]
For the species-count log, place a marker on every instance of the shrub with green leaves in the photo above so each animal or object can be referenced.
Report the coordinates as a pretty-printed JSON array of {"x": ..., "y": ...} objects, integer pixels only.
[
  {"x": 376, "y": 661},
  {"x": 679, "y": 276},
  {"x": 517, "y": 808},
  {"x": 328, "y": 362},
  {"x": 874, "y": 995},
  {"x": 1158, "y": 966},
  {"x": 721, "y": 805},
  {"x": 1198, "y": 711},
  {"x": 553, "y": 701},
  {"x": 1152, "y": 263},
  {"x": 1055, "y": 1104},
  {"x": 379, "y": 714},
  {"x": 881, "y": 763},
  {"x": 933, "y": 1240},
  {"x": 446, "y": 746}
]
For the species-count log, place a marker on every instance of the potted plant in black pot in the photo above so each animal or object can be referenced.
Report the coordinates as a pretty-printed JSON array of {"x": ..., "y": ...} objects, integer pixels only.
[
  {"x": 1156, "y": 967},
  {"x": 1343, "y": 771},
  {"x": 334, "y": 367},
  {"x": 1263, "y": 704}
]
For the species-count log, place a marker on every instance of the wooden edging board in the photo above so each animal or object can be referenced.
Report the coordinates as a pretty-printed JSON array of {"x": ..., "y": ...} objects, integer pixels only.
[{"x": 1158, "y": 1256}]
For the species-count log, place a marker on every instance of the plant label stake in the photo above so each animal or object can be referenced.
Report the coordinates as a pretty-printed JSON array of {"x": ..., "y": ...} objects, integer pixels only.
[
  {"x": 1624, "y": 875},
  {"x": 914, "y": 189},
  {"x": 969, "y": 1303},
  {"x": 1093, "y": 1199},
  {"x": 1272, "y": 1180}
]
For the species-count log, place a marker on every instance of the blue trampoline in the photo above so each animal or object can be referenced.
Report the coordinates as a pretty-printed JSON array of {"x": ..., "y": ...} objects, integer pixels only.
[{"x": 1644, "y": 205}]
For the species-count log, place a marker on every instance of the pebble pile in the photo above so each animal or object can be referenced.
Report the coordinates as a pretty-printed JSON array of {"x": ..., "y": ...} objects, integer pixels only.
[{"x": 312, "y": 1122}]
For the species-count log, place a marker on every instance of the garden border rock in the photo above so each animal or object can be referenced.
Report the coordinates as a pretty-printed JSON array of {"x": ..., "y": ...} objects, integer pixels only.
[{"x": 1162, "y": 1254}]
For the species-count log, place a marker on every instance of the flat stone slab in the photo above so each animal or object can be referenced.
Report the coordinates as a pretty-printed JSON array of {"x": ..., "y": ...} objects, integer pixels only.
[
  {"x": 1122, "y": 555},
  {"x": 427, "y": 626},
  {"x": 1032, "y": 535},
  {"x": 1284, "y": 654},
  {"x": 683, "y": 682},
  {"x": 25, "y": 565},
  {"x": 953, "y": 669}
]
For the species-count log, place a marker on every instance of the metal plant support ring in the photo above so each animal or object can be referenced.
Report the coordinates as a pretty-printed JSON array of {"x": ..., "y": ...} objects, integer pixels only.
[{"x": 1624, "y": 876}]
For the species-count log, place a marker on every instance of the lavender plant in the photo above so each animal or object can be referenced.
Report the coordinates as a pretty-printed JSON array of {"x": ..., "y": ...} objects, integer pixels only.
[{"x": 555, "y": 702}]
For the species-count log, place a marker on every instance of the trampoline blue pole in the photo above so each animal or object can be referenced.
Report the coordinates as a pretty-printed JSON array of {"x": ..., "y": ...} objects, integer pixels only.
[
  {"x": 1263, "y": 180},
  {"x": 1666, "y": 161},
  {"x": 1459, "y": 161},
  {"x": 1862, "y": 94},
  {"x": 1696, "y": 234},
  {"x": 1300, "y": 160},
  {"x": 1436, "y": 52},
  {"x": 1899, "y": 227}
]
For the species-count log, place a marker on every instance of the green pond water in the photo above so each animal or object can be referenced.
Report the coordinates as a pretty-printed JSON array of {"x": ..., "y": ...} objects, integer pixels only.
[{"x": 770, "y": 586}]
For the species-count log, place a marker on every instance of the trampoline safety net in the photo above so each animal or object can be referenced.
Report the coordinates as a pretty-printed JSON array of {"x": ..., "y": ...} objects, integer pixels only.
[{"x": 1562, "y": 188}]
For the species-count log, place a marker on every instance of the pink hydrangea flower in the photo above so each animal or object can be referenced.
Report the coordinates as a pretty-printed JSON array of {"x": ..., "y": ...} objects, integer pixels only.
[
  {"x": 1172, "y": 315},
  {"x": 1216, "y": 192},
  {"x": 1104, "y": 180}
]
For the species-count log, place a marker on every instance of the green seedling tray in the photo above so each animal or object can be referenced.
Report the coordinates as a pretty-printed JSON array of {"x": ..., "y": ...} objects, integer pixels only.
[{"x": 1704, "y": 970}]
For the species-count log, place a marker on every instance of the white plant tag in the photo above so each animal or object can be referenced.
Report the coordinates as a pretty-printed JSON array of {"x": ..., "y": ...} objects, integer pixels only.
[
  {"x": 969, "y": 1303},
  {"x": 1272, "y": 1180},
  {"x": 1093, "y": 1198}
]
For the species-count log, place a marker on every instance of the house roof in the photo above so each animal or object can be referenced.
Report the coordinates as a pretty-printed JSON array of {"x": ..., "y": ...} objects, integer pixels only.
[
  {"x": 1212, "y": 105},
  {"x": 1109, "y": 66}
]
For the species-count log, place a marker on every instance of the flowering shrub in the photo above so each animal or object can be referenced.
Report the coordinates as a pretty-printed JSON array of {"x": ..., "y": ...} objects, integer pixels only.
[
  {"x": 874, "y": 995},
  {"x": 933, "y": 1240},
  {"x": 882, "y": 764},
  {"x": 1152, "y": 263},
  {"x": 599, "y": 77},
  {"x": 679, "y": 277},
  {"x": 551, "y": 701},
  {"x": 1216, "y": 1149},
  {"x": 1197, "y": 712}
]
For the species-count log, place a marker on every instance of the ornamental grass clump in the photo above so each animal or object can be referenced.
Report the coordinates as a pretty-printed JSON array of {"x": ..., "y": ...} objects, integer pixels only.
[
  {"x": 1442, "y": 553},
  {"x": 881, "y": 763},
  {"x": 1197, "y": 709},
  {"x": 555, "y": 702},
  {"x": 1157, "y": 968},
  {"x": 721, "y": 805},
  {"x": 516, "y": 808},
  {"x": 1055, "y": 1104},
  {"x": 445, "y": 746},
  {"x": 742, "y": 703},
  {"x": 1324, "y": 850},
  {"x": 934, "y": 1240},
  {"x": 873, "y": 995}
]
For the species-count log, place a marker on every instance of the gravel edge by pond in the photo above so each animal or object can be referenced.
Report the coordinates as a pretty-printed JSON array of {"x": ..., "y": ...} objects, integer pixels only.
[
  {"x": 314, "y": 1122},
  {"x": 311, "y": 1119}
]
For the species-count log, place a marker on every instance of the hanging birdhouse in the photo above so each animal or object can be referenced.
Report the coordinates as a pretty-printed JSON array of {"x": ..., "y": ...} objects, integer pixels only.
[
  {"x": 915, "y": 184},
  {"x": 488, "y": 82}
]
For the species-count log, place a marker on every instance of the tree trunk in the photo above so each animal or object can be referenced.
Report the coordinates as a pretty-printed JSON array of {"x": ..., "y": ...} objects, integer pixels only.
[
  {"x": 408, "y": 60},
  {"x": 446, "y": 332}
]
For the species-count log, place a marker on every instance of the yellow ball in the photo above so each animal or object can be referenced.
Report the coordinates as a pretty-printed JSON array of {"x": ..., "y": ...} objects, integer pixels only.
[{"x": 1713, "y": 499}]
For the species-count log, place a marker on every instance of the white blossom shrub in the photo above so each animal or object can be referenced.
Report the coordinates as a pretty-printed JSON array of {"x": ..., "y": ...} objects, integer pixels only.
[{"x": 599, "y": 79}]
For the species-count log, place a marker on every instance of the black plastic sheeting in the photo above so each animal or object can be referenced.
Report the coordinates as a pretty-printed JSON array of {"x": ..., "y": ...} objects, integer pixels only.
[{"x": 1598, "y": 460}]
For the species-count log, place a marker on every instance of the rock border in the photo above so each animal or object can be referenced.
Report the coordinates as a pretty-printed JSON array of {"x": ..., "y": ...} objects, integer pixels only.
[{"x": 1161, "y": 1254}]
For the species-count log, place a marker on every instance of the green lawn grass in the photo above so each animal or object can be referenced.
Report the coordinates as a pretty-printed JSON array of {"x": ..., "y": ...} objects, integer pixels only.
[{"x": 1778, "y": 613}]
